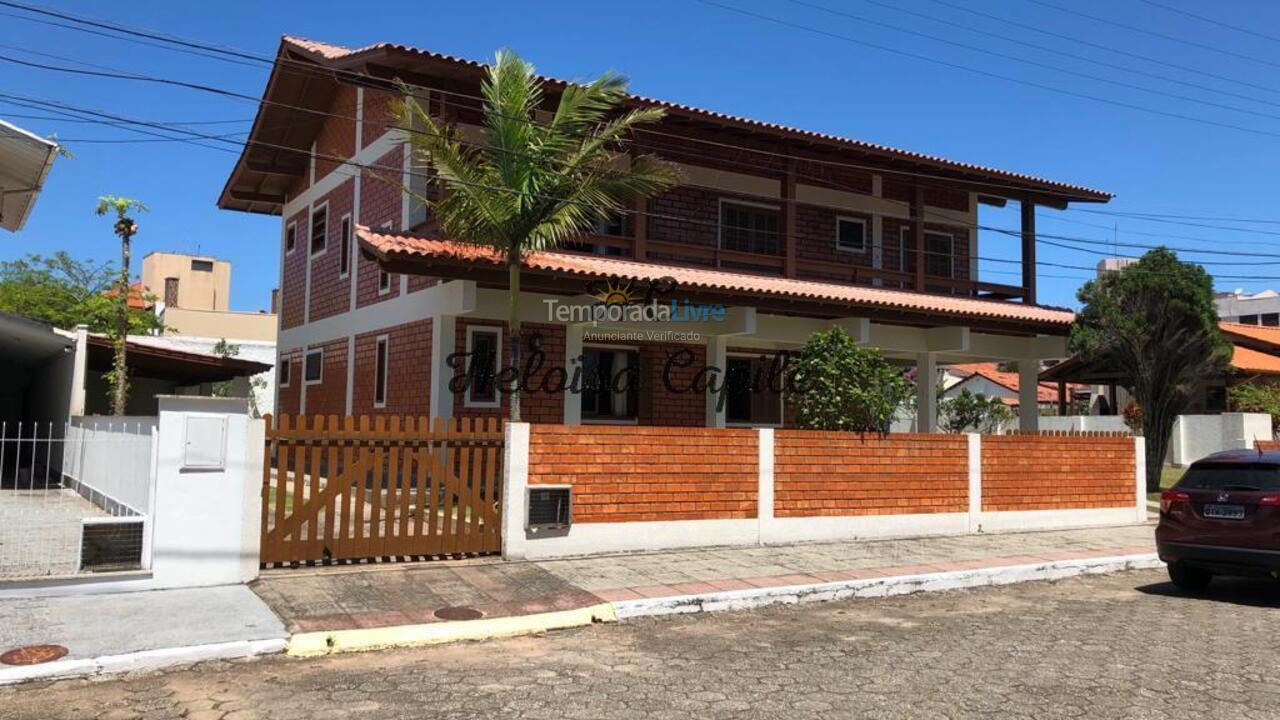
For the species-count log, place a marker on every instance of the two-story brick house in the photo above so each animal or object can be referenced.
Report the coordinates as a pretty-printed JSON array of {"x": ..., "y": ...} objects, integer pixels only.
[{"x": 789, "y": 231}]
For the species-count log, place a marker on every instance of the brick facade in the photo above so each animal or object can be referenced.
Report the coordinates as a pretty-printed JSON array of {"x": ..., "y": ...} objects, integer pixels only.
[
  {"x": 329, "y": 396},
  {"x": 539, "y": 403},
  {"x": 380, "y": 203},
  {"x": 330, "y": 289},
  {"x": 1057, "y": 472},
  {"x": 629, "y": 474},
  {"x": 408, "y": 370},
  {"x": 820, "y": 473}
]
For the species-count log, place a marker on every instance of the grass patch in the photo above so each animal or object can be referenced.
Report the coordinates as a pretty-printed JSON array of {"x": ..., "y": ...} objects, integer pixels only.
[{"x": 1169, "y": 476}]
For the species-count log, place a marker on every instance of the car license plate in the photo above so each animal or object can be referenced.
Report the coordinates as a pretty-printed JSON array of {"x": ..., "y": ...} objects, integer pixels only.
[{"x": 1224, "y": 512}]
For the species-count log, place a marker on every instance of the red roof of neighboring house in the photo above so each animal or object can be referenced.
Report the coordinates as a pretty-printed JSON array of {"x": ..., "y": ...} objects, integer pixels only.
[
  {"x": 1045, "y": 392},
  {"x": 328, "y": 51},
  {"x": 137, "y": 296},
  {"x": 1268, "y": 335},
  {"x": 395, "y": 245}
]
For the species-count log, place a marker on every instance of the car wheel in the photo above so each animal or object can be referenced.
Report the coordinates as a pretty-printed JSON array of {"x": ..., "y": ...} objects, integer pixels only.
[{"x": 1189, "y": 579}]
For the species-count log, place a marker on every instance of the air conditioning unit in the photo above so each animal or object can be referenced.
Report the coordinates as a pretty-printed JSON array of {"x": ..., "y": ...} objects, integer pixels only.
[{"x": 550, "y": 507}]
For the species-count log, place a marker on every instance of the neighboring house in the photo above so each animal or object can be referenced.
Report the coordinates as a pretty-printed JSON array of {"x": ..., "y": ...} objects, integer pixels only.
[
  {"x": 48, "y": 375},
  {"x": 989, "y": 380},
  {"x": 1255, "y": 358},
  {"x": 191, "y": 295},
  {"x": 25, "y": 161},
  {"x": 1261, "y": 308},
  {"x": 789, "y": 231}
]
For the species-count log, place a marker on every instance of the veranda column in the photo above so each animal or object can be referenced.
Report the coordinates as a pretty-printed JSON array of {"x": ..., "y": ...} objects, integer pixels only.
[
  {"x": 572, "y": 363},
  {"x": 926, "y": 393},
  {"x": 717, "y": 366},
  {"x": 443, "y": 344},
  {"x": 1028, "y": 399}
]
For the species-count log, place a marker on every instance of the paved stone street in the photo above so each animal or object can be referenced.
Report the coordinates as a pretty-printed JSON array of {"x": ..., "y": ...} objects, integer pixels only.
[{"x": 1122, "y": 645}]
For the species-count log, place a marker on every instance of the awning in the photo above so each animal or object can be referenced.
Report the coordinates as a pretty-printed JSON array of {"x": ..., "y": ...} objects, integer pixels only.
[
  {"x": 403, "y": 252},
  {"x": 25, "y": 160},
  {"x": 163, "y": 363}
]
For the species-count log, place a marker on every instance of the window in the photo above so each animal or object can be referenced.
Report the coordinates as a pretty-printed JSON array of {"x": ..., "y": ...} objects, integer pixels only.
[
  {"x": 750, "y": 228},
  {"x": 938, "y": 260},
  {"x": 1270, "y": 319},
  {"x": 753, "y": 395},
  {"x": 319, "y": 229},
  {"x": 344, "y": 236},
  {"x": 851, "y": 234},
  {"x": 171, "y": 292},
  {"x": 384, "y": 282},
  {"x": 484, "y": 345},
  {"x": 380, "y": 374},
  {"x": 610, "y": 387},
  {"x": 290, "y": 237},
  {"x": 1248, "y": 319},
  {"x": 313, "y": 368},
  {"x": 202, "y": 265},
  {"x": 285, "y": 367}
]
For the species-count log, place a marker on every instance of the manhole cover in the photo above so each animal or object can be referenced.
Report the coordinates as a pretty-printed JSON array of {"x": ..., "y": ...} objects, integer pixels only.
[
  {"x": 33, "y": 654},
  {"x": 459, "y": 613}
]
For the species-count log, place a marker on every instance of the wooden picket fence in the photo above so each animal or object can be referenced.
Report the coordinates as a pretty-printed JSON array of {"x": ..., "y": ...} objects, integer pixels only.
[{"x": 382, "y": 488}]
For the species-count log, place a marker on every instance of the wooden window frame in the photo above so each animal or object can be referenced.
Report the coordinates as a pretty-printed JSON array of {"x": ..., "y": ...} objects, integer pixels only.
[
  {"x": 311, "y": 228},
  {"x": 307, "y": 356}
]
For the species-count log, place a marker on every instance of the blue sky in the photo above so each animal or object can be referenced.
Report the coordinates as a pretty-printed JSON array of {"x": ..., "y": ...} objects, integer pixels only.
[{"x": 689, "y": 52}]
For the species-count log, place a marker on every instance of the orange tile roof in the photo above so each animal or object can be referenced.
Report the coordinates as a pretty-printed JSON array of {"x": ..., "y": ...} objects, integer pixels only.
[
  {"x": 387, "y": 245},
  {"x": 1046, "y": 392},
  {"x": 1269, "y": 335},
  {"x": 1253, "y": 361},
  {"x": 327, "y": 51},
  {"x": 137, "y": 296}
]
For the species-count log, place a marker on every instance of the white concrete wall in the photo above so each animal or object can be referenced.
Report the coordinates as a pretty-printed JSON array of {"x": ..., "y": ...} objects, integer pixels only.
[
  {"x": 203, "y": 522},
  {"x": 108, "y": 460},
  {"x": 1197, "y": 436},
  {"x": 519, "y": 543},
  {"x": 1083, "y": 423},
  {"x": 255, "y": 350}
]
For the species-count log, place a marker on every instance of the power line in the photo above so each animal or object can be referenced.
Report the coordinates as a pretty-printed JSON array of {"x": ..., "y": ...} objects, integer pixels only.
[
  {"x": 1153, "y": 33},
  {"x": 1212, "y": 21},
  {"x": 1101, "y": 46},
  {"x": 1033, "y": 63}
]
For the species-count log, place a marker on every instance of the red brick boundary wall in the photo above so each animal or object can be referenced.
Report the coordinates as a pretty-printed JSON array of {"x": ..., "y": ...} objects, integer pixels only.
[
  {"x": 845, "y": 474},
  {"x": 629, "y": 474},
  {"x": 1057, "y": 472},
  {"x": 1267, "y": 445}
]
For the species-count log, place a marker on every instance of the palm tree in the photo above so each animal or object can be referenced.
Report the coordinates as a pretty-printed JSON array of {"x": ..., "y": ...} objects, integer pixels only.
[
  {"x": 125, "y": 228},
  {"x": 532, "y": 184}
]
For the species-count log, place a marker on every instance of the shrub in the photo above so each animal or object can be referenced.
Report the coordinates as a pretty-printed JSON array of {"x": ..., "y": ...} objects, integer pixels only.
[
  {"x": 976, "y": 411},
  {"x": 840, "y": 385}
]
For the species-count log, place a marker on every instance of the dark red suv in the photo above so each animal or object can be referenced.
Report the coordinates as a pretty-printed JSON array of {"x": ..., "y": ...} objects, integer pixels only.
[{"x": 1222, "y": 518}]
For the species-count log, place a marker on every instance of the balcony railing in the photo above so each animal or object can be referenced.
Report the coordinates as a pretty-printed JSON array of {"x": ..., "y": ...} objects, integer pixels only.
[{"x": 774, "y": 265}]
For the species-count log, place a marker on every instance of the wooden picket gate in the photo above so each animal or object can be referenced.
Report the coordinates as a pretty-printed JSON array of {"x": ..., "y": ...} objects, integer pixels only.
[{"x": 387, "y": 488}]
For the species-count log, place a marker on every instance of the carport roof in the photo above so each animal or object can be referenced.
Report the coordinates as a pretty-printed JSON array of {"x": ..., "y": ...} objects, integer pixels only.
[{"x": 164, "y": 363}]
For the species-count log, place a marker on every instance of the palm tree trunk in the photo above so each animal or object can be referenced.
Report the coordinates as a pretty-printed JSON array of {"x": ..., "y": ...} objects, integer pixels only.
[
  {"x": 513, "y": 299},
  {"x": 119, "y": 391}
]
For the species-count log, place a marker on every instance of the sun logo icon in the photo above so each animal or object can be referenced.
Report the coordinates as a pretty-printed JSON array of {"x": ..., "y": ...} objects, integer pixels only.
[{"x": 615, "y": 291}]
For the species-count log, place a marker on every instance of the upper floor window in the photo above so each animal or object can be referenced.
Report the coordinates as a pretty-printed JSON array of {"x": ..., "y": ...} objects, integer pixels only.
[
  {"x": 202, "y": 265},
  {"x": 851, "y": 234},
  {"x": 1248, "y": 319},
  {"x": 285, "y": 366},
  {"x": 1271, "y": 319},
  {"x": 939, "y": 256},
  {"x": 313, "y": 367},
  {"x": 618, "y": 224},
  {"x": 319, "y": 229},
  {"x": 344, "y": 237},
  {"x": 750, "y": 228},
  {"x": 290, "y": 237}
]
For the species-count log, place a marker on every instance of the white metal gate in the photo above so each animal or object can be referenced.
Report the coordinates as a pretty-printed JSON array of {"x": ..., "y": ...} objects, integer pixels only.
[{"x": 75, "y": 498}]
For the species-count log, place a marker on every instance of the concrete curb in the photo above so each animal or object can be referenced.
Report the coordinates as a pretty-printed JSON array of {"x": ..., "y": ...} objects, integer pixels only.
[
  {"x": 141, "y": 660},
  {"x": 881, "y": 587},
  {"x": 311, "y": 644}
]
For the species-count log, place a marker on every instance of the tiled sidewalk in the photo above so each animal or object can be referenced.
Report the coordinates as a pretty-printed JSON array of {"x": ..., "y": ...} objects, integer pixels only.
[{"x": 382, "y": 596}]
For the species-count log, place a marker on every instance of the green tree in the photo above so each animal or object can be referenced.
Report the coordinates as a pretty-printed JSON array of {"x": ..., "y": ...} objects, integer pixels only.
[
  {"x": 973, "y": 411},
  {"x": 125, "y": 228},
  {"x": 533, "y": 183},
  {"x": 1155, "y": 322},
  {"x": 840, "y": 385},
  {"x": 1257, "y": 397},
  {"x": 64, "y": 292}
]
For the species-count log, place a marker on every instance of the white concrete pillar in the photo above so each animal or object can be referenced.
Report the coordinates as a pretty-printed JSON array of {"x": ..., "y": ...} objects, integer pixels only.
[
  {"x": 1140, "y": 478},
  {"x": 1028, "y": 398},
  {"x": 572, "y": 364},
  {"x": 515, "y": 484},
  {"x": 975, "y": 482},
  {"x": 926, "y": 393},
  {"x": 443, "y": 344},
  {"x": 717, "y": 367},
  {"x": 764, "y": 494},
  {"x": 79, "y": 372}
]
